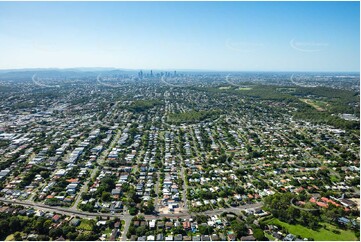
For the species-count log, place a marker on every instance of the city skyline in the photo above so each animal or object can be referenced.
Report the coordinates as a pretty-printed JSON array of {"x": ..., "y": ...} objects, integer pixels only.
[
  {"x": 208, "y": 36},
  {"x": 180, "y": 121}
]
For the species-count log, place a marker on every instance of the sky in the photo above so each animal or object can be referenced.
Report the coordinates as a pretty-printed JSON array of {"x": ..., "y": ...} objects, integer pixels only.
[{"x": 218, "y": 36}]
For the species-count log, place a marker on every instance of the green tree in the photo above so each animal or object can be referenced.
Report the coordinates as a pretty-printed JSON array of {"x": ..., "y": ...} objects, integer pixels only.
[
  {"x": 4, "y": 228},
  {"x": 205, "y": 229},
  {"x": 258, "y": 234},
  {"x": 72, "y": 235},
  {"x": 14, "y": 224},
  {"x": 55, "y": 233},
  {"x": 239, "y": 228},
  {"x": 47, "y": 224},
  {"x": 17, "y": 236},
  {"x": 150, "y": 207},
  {"x": 106, "y": 196},
  {"x": 141, "y": 230},
  {"x": 133, "y": 211},
  {"x": 292, "y": 214},
  {"x": 179, "y": 230},
  {"x": 67, "y": 229}
]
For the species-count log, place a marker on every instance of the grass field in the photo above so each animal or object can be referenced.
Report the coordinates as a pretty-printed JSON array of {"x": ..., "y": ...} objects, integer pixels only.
[
  {"x": 322, "y": 234},
  {"x": 318, "y": 105},
  {"x": 245, "y": 88},
  {"x": 86, "y": 225}
]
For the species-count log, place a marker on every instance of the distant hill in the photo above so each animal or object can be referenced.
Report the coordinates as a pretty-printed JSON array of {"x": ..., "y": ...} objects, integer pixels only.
[{"x": 26, "y": 74}]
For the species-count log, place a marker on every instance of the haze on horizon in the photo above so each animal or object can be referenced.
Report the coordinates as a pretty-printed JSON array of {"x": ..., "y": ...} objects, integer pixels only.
[{"x": 231, "y": 36}]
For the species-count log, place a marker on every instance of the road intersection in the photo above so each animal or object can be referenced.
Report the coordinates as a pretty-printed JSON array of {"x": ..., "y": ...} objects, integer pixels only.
[{"x": 73, "y": 211}]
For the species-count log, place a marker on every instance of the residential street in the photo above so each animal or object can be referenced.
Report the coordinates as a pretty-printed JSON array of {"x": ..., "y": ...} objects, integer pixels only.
[{"x": 126, "y": 217}]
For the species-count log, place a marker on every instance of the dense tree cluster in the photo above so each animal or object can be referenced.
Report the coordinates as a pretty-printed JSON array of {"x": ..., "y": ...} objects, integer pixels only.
[
  {"x": 192, "y": 116},
  {"x": 143, "y": 105}
]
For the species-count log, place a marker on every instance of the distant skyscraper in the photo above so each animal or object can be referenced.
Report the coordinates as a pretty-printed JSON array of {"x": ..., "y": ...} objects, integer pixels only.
[
  {"x": 151, "y": 73},
  {"x": 140, "y": 75}
]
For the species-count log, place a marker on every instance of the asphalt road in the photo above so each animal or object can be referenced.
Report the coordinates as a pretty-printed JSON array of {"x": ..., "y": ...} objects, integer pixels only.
[{"x": 126, "y": 217}]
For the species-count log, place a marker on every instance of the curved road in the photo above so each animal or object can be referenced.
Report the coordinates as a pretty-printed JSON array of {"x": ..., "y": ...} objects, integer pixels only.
[{"x": 126, "y": 217}]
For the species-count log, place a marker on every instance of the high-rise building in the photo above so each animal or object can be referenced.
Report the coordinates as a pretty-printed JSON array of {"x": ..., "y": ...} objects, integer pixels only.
[{"x": 140, "y": 75}]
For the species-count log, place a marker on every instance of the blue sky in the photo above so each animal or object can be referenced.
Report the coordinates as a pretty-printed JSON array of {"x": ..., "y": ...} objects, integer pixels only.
[{"x": 232, "y": 36}]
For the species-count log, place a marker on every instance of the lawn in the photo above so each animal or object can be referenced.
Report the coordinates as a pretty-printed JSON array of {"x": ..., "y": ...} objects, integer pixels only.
[
  {"x": 21, "y": 217},
  {"x": 10, "y": 237},
  {"x": 270, "y": 237},
  {"x": 245, "y": 88},
  {"x": 334, "y": 178},
  {"x": 322, "y": 234},
  {"x": 123, "y": 223},
  {"x": 108, "y": 231},
  {"x": 86, "y": 225}
]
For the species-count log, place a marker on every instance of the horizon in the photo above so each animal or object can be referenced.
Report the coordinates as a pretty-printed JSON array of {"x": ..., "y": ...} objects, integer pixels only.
[
  {"x": 169, "y": 69},
  {"x": 199, "y": 36}
]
